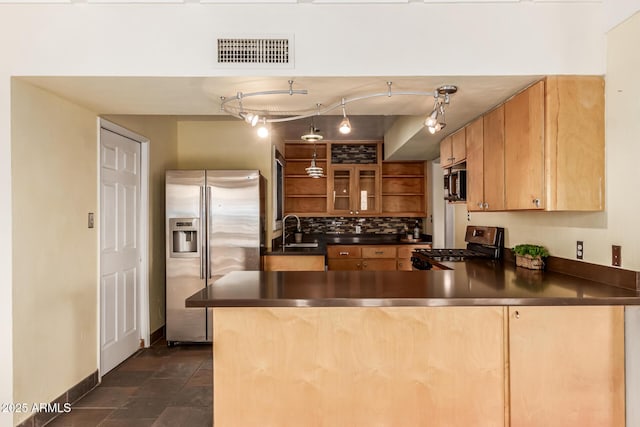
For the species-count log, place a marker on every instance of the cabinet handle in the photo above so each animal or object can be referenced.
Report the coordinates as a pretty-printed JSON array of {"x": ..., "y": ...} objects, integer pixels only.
[
  {"x": 344, "y": 253},
  {"x": 351, "y": 212},
  {"x": 486, "y": 205},
  {"x": 357, "y": 212},
  {"x": 358, "y": 265},
  {"x": 517, "y": 314},
  {"x": 364, "y": 265},
  {"x": 379, "y": 252},
  {"x": 479, "y": 204},
  {"x": 536, "y": 202}
]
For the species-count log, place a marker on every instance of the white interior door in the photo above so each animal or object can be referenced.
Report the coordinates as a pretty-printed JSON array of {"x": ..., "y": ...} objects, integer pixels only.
[{"x": 120, "y": 254}]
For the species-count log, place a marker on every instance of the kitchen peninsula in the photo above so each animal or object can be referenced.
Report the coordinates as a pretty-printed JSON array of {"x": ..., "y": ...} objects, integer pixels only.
[{"x": 484, "y": 344}]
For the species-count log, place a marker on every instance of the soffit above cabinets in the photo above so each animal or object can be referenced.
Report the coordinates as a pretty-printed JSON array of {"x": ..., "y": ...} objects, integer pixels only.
[{"x": 370, "y": 119}]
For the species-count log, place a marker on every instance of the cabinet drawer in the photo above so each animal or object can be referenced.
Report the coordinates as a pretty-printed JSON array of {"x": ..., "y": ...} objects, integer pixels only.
[
  {"x": 341, "y": 251},
  {"x": 344, "y": 264},
  {"x": 379, "y": 252}
]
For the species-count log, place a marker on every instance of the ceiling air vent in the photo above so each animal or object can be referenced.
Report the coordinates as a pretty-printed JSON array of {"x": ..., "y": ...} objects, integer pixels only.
[{"x": 260, "y": 51}]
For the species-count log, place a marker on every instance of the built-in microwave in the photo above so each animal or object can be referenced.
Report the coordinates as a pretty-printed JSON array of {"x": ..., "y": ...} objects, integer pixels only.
[{"x": 455, "y": 185}]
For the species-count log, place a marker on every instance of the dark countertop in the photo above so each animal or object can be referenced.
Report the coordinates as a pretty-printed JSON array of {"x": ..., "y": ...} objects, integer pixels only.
[
  {"x": 346, "y": 239},
  {"x": 472, "y": 283}
]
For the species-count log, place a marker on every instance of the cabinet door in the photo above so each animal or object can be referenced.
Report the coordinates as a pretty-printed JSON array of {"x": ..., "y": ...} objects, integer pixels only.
[
  {"x": 458, "y": 146},
  {"x": 493, "y": 152},
  {"x": 368, "y": 190},
  {"x": 446, "y": 156},
  {"x": 341, "y": 189},
  {"x": 566, "y": 366},
  {"x": 344, "y": 264},
  {"x": 524, "y": 149},
  {"x": 379, "y": 264},
  {"x": 475, "y": 166}
]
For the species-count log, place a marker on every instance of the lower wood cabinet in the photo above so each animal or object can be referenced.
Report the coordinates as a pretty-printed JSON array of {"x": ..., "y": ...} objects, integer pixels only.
[
  {"x": 293, "y": 263},
  {"x": 372, "y": 258},
  {"x": 488, "y": 366},
  {"x": 566, "y": 366}
]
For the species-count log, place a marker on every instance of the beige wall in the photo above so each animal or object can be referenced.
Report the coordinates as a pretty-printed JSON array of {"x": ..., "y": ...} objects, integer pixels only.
[
  {"x": 163, "y": 153},
  {"x": 54, "y": 182},
  {"x": 226, "y": 145},
  {"x": 617, "y": 225}
]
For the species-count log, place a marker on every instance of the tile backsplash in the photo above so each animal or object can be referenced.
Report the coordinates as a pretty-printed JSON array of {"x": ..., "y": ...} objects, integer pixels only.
[{"x": 371, "y": 225}]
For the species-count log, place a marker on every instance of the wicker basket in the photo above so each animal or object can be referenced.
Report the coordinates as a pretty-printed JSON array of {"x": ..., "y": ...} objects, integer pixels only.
[{"x": 527, "y": 261}]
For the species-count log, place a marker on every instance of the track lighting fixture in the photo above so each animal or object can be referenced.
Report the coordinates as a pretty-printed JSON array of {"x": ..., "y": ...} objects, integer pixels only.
[
  {"x": 435, "y": 120},
  {"x": 345, "y": 125},
  {"x": 263, "y": 130},
  {"x": 234, "y": 106}
]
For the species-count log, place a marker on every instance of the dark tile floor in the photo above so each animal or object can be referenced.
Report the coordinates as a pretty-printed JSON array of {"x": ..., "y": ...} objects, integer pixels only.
[{"x": 157, "y": 386}]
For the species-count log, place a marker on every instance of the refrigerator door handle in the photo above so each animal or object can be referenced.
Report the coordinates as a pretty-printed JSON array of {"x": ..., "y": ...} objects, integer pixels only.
[
  {"x": 203, "y": 225},
  {"x": 208, "y": 232}
]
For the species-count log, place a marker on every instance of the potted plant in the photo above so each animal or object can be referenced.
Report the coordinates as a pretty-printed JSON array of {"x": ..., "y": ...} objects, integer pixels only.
[{"x": 530, "y": 256}]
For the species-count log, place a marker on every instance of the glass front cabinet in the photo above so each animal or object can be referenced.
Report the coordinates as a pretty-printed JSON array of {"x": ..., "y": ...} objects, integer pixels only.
[{"x": 354, "y": 189}]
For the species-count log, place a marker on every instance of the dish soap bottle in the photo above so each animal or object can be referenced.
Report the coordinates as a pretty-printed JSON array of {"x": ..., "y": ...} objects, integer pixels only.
[{"x": 416, "y": 231}]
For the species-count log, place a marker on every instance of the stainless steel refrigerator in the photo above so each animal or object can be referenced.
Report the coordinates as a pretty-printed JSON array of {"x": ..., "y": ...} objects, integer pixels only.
[{"x": 214, "y": 225}]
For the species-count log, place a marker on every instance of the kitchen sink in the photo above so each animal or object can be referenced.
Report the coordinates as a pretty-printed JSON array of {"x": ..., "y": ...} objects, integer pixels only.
[{"x": 302, "y": 245}]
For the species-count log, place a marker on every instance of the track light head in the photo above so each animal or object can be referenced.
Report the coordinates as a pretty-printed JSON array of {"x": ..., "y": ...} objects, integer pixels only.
[{"x": 345, "y": 126}]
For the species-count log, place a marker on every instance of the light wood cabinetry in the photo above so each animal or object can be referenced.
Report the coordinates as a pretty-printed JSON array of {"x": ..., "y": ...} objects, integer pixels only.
[
  {"x": 404, "y": 189},
  {"x": 525, "y": 366},
  {"x": 359, "y": 366},
  {"x": 566, "y": 366},
  {"x": 304, "y": 196},
  {"x": 453, "y": 149},
  {"x": 543, "y": 149},
  {"x": 554, "y": 145},
  {"x": 293, "y": 262},
  {"x": 524, "y": 149},
  {"x": 349, "y": 188},
  {"x": 485, "y": 162},
  {"x": 354, "y": 189},
  {"x": 371, "y": 257}
]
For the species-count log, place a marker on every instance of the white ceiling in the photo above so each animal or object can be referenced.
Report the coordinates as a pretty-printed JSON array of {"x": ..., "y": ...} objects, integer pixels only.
[{"x": 370, "y": 118}]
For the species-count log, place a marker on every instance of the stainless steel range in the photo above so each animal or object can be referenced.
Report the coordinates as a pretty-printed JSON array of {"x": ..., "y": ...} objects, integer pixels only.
[{"x": 482, "y": 242}]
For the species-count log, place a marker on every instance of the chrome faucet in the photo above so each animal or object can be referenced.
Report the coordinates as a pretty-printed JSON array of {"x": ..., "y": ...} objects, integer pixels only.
[{"x": 284, "y": 228}]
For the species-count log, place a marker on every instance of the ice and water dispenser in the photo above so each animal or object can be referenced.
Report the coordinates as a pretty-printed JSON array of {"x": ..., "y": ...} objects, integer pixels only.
[{"x": 184, "y": 237}]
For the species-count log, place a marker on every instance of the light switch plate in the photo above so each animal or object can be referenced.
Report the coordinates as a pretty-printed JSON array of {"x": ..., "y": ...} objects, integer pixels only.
[{"x": 90, "y": 222}]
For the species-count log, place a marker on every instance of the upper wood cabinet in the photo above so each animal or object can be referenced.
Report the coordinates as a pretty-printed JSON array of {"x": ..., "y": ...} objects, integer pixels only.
[
  {"x": 485, "y": 162},
  {"x": 354, "y": 189},
  {"x": 554, "y": 145},
  {"x": 304, "y": 196},
  {"x": 404, "y": 189},
  {"x": 543, "y": 149},
  {"x": 574, "y": 143},
  {"x": 524, "y": 149},
  {"x": 453, "y": 149}
]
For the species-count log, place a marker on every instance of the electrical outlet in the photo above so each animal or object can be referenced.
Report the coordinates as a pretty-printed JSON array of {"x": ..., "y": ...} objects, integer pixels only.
[
  {"x": 616, "y": 255},
  {"x": 579, "y": 249}
]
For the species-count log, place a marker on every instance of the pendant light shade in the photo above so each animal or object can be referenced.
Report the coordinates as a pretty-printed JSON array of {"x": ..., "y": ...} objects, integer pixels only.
[{"x": 313, "y": 170}]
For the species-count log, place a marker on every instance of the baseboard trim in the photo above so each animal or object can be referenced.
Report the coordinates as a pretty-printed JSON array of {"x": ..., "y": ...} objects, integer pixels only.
[
  {"x": 62, "y": 402},
  {"x": 158, "y": 334}
]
